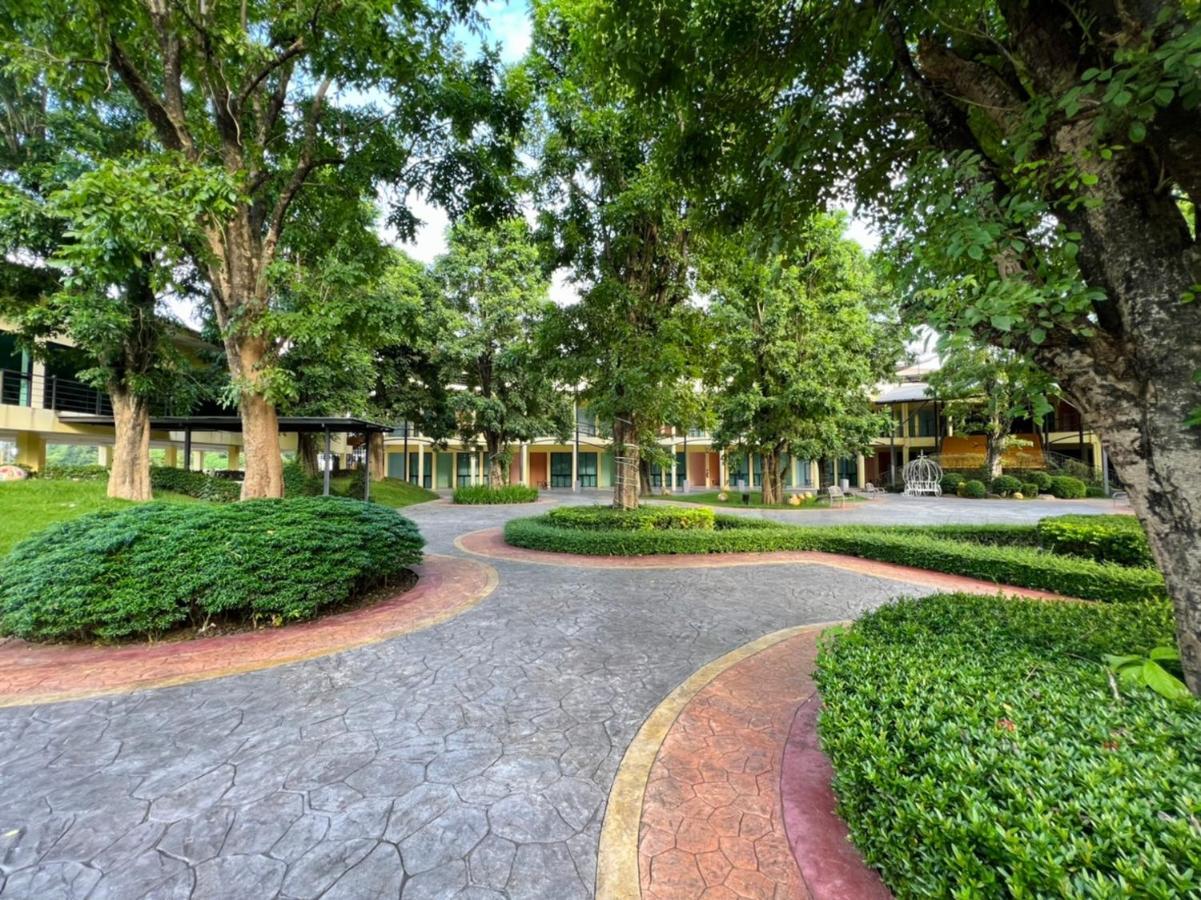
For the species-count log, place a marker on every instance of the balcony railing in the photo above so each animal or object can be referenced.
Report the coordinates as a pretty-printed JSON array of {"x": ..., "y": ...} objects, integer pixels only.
[{"x": 51, "y": 392}]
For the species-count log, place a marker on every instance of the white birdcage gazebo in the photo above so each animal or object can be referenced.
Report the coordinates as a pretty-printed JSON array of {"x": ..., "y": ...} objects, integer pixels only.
[{"x": 922, "y": 476}]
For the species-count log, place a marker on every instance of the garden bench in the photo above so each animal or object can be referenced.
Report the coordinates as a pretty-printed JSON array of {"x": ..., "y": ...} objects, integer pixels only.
[{"x": 836, "y": 493}]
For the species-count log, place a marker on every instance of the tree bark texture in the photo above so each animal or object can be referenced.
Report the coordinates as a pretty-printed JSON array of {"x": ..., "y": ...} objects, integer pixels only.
[
  {"x": 306, "y": 453},
  {"x": 129, "y": 478},
  {"x": 773, "y": 478},
  {"x": 627, "y": 471},
  {"x": 379, "y": 458}
]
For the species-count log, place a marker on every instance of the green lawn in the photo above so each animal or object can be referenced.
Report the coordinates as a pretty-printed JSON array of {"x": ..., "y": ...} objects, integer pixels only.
[
  {"x": 734, "y": 498},
  {"x": 390, "y": 492},
  {"x": 29, "y": 506}
]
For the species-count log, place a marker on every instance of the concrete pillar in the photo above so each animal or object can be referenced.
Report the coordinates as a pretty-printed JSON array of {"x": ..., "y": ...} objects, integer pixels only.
[
  {"x": 525, "y": 464},
  {"x": 171, "y": 457},
  {"x": 420, "y": 465},
  {"x": 905, "y": 420},
  {"x": 861, "y": 469},
  {"x": 750, "y": 472},
  {"x": 721, "y": 470},
  {"x": 815, "y": 474},
  {"x": 471, "y": 469},
  {"x": 433, "y": 469},
  {"x": 197, "y": 460},
  {"x": 233, "y": 462},
  {"x": 31, "y": 451},
  {"x": 673, "y": 466},
  {"x": 104, "y": 455},
  {"x": 575, "y": 467},
  {"x": 38, "y": 389}
]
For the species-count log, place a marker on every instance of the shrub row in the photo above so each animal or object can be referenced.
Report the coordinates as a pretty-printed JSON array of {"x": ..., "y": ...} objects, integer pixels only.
[
  {"x": 507, "y": 493},
  {"x": 298, "y": 483},
  {"x": 645, "y": 518},
  {"x": 977, "y": 748},
  {"x": 194, "y": 484},
  {"x": 75, "y": 473},
  {"x": 1116, "y": 539},
  {"x": 144, "y": 570},
  {"x": 1065, "y": 487},
  {"x": 972, "y": 489},
  {"x": 1021, "y": 566}
]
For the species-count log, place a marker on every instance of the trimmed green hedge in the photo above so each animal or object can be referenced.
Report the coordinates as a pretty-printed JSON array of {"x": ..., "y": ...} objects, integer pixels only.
[
  {"x": 1040, "y": 478},
  {"x": 508, "y": 493},
  {"x": 645, "y": 518},
  {"x": 978, "y": 750},
  {"x": 1115, "y": 539},
  {"x": 1021, "y": 566},
  {"x": 146, "y": 569},
  {"x": 1005, "y": 485},
  {"x": 972, "y": 489},
  {"x": 1030, "y": 489},
  {"x": 75, "y": 473},
  {"x": 298, "y": 483},
  {"x": 195, "y": 484},
  {"x": 1065, "y": 487},
  {"x": 950, "y": 482}
]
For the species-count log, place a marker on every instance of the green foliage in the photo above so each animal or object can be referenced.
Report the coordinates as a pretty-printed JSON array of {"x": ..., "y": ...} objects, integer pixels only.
[
  {"x": 483, "y": 494},
  {"x": 1030, "y": 489},
  {"x": 977, "y": 746},
  {"x": 194, "y": 484},
  {"x": 388, "y": 491},
  {"x": 1041, "y": 479},
  {"x": 647, "y": 518},
  {"x": 973, "y": 489},
  {"x": 297, "y": 483},
  {"x": 1065, "y": 487},
  {"x": 1151, "y": 671},
  {"x": 950, "y": 482},
  {"x": 74, "y": 473},
  {"x": 1115, "y": 539},
  {"x": 144, "y": 570},
  {"x": 1005, "y": 485},
  {"x": 1000, "y": 561}
]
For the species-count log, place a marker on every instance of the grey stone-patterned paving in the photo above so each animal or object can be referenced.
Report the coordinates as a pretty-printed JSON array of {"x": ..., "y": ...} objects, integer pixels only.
[{"x": 470, "y": 760}]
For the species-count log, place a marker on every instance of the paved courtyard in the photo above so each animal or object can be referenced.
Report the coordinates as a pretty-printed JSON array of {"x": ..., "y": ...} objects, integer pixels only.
[{"x": 472, "y": 758}]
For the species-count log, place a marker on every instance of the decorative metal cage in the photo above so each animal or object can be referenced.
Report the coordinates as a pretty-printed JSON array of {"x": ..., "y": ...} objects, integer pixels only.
[{"x": 922, "y": 476}]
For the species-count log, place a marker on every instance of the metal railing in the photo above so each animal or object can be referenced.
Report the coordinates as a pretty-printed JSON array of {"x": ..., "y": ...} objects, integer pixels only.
[{"x": 51, "y": 392}]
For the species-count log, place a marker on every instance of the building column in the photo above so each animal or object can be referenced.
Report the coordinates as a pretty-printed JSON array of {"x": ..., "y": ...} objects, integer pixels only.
[
  {"x": 815, "y": 474},
  {"x": 233, "y": 457},
  {"x": 575, "y": 466},
  {"x": 171, "y": 457},
  {"x": 721, "y": 470},
  {"x": 525, "y": 464},
  {"x": 433, "y": 469},
  {"x": 198, "y": 460},
  {"x": 673, "y": 466},
  {"x": 750, "y": 472},
  {"x": 104, "y": 455},
  {"x": 420, "y": 465},
  {"x": 471, "y": 470},
  {"x": 31, "y": 451},
  {"x": 36, "y": 386},
  {"x": 904, "y": 456},
  {"x": 861, "y": 470}
]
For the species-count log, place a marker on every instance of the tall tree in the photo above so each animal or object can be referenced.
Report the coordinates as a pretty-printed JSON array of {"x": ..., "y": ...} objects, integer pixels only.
[
  {"x": 275, "y": 93},
  {"x": 115, "y": 236},
  {"x": 620, "y": 223},
  {"x": 989, "y": 389},
  {"x": 804, "y": 337},
  {"x": 496, "y": 300},
  {"x": 1037, "y": 168}
]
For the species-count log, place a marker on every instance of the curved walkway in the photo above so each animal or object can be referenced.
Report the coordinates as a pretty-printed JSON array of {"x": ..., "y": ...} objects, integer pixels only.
[
  {"x": 473, "y": 757},
  {"x": 39, "y": 673}
]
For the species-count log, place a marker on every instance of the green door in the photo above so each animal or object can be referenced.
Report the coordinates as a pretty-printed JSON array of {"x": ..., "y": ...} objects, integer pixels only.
[
  {"x": 560, "y": 470},
  {"x": 588, "y": 470}
]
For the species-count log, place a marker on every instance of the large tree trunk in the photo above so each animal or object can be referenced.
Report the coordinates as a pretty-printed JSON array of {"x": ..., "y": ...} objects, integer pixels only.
[
  {"x": 264, "y": 475},
  {"x": 379, "y": 458},
  {"x": 626, "y": 468},
  {"x": 773, "y": 481},
  {"x": 306, "y": 453},
  {"x": 497, "y": 470},
  {"x": 994, "y": 458},
  {"x": 129, "y": 478}
]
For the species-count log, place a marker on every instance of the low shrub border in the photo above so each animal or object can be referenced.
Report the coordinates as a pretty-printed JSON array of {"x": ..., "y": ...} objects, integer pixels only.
[
  {"x": 147, "y": 569},
  {"x": 1020, "y": 566},
  {"x": 1116, "y": 539},
  {"x": 645, "y": 518},
  {"x": 75, "y": 473},
  {"x": 978, "y": 742},
  {"x": 482, "y": 494},
  {"x": 194, "y": 484}
]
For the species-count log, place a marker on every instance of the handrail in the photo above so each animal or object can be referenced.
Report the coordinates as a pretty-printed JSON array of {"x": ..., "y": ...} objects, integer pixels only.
[{"x": 39, "y": 391}]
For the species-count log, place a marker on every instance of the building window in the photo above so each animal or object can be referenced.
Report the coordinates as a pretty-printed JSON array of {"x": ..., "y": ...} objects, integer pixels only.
[
  {"x": 587, "y": 470},
  {"x": 560, "y": 470},
  {"x": 464, "y": 468}
]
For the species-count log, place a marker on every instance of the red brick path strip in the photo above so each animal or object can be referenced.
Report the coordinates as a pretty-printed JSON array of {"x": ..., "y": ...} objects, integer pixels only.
[
  {"x": 738, "y": 800},
  {"x": 40, "y": 673},
  {"x": 490, "y": 542}
]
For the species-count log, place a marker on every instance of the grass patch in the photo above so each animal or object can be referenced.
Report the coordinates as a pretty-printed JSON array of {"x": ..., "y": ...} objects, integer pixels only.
[
  {"x": 31, "y": 505},
  {"x": 482, "y": 494},
  {"x": 392, "y": 492},
  {"x": 978, "y": 749},
  {"x": 734, "y": 499},
  {"x": 995, "y": 554}
]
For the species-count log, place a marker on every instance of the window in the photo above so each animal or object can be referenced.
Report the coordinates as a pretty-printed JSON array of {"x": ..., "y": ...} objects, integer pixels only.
[
  {"x": 464, "y": 468},
  {"x": 560, "y": 470},
  {"x": 587, "y": 470}
]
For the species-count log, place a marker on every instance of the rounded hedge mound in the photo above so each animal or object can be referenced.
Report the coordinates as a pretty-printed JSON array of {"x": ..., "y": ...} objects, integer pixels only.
[
  {"x": 147, "y": 569},
  {"x": 978, "y": 741},
  {"x": 645, "y": 518}
]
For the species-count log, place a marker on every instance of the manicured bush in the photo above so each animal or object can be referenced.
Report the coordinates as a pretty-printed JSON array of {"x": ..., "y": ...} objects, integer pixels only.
[
  {"x": 1115, "y": 539},
  {"x": 950, "y": 482},
  {"x": 298, "y": 483},
  {"x": 973, "y": 489},
  {"x": 1042, "y": 479},
  {"x": 75, "y": 473},
  {"x": 146, "y": 569},
  {"x": 1030, "y": 489},
  {"x": 508, "y": 493},
  {"x": 978, "y": 749},
  {"x": 194, "y": 484},
  {"x": 1094, "y": 491},
  {"x": 1065, "y": 487},
  {"x": 1005, "y": 485},
  {"x": 1021, "y": 566},
  {"x": 645, "y": 518}
]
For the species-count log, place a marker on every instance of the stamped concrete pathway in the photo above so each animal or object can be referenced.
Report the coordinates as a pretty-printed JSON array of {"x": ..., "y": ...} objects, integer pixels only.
[{"x": 472, "y": 758}]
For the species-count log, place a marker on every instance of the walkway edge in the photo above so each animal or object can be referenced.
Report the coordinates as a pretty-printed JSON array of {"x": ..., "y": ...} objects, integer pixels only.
[{"x": 617, "y": 876}]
